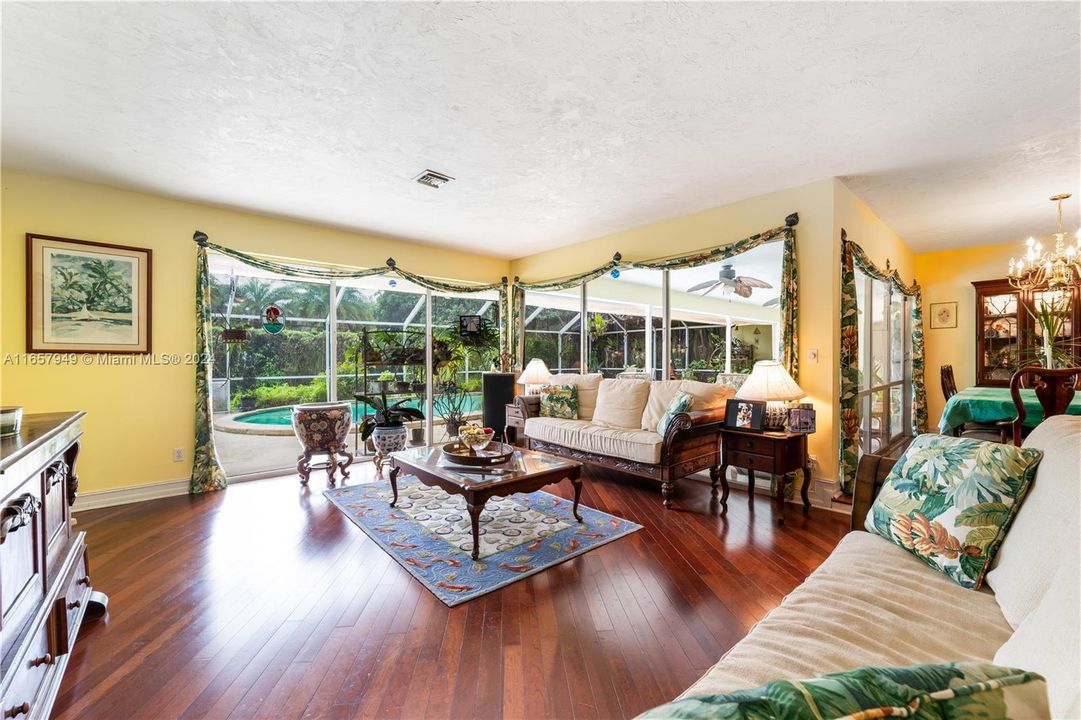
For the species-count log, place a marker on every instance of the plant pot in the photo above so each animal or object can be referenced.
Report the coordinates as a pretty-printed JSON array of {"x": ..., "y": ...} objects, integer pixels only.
[
  {"x": 416, "y": 436},
  {"x": 389, "y": 438},
  {"x": 452, "y": 427},
  {"x": 322, "y": 427}
]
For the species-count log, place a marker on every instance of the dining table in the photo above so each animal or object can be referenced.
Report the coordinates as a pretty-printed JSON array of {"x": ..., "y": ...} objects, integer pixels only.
[{"x": 992, "y": 404}]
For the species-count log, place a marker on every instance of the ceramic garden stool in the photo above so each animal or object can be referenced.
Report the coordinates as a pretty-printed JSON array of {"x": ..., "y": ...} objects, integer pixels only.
[
  {"x": 323, "y": 429},
  {"x": 387, "y": 439}
]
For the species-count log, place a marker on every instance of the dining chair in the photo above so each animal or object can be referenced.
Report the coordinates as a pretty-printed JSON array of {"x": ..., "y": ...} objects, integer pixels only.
[
  {"x": 1054, "y": 389},
  {"x": 949, "y": 385},
  {"x": 977, "y": 431}
]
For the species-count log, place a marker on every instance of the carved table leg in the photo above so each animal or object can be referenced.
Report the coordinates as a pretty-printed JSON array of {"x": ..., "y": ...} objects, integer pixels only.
[
  {"x": 780, "y": 497},
  {"x": 724, "y": 487},
  {"x": 806, "y": 489},
  {"x": 304, "y": 466},
  {"x": 577, "y": 483},
  {"x": 666, "y": 494},
  {"x": 394, "y": 470},
  {"x": 474, "y": 519}
]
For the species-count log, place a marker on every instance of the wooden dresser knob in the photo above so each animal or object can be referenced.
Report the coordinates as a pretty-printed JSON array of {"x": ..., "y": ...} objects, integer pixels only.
[
  {"x": 45, "y": 659},
  {"x": 84, "y": 580},
  {"x": 73, "y": 605},
  {"x": 18, "y": 710}
]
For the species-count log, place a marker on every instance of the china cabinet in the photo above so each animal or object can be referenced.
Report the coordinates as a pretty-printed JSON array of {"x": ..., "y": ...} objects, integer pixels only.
[{"x": 1007, "y": 335}]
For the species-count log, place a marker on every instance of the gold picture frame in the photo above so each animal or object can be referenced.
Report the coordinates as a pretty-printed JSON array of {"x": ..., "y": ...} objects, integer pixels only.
[{"x": 943, "y": 315}]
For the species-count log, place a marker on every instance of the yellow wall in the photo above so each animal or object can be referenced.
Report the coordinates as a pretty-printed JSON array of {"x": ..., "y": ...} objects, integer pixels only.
[
  {"x": 137, "y": 415},
  {"x": 866, "y": 230},
  {"x": 947, "y": 276}
]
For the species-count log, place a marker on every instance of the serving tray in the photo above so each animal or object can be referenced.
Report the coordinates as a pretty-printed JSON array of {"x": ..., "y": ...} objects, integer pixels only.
[{"x": 495, "y": 454}]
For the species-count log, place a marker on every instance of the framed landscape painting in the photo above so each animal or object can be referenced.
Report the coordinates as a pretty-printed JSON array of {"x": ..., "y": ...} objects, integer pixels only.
[{"x": 86, "y": 297}]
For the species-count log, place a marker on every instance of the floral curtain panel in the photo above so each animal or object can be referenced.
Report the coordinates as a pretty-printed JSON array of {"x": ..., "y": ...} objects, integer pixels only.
[
  {"x": 207, "y": 473},
  {"x": 853, "y": 256},
  {"x": 789, "y": 283}
]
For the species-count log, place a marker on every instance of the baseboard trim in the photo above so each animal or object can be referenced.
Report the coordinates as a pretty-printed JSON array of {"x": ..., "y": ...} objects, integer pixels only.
[{"x": 95, "y": 499}]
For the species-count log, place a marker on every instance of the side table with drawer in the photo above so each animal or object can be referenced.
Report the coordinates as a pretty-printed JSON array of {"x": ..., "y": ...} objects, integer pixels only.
[
  {"x": 514, "y": 432},
  {"x": 776, "y": 453}
]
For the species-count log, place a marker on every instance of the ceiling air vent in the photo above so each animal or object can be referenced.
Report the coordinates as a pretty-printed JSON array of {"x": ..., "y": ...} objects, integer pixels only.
[{"x": 433, "y": 179}]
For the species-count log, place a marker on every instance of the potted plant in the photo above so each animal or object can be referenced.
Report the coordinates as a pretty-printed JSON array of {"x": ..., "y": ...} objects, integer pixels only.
[
  {"x": 451, "y": 403},
  {"x": 1052, "y": 316},
  {"x": 386, "y": 426},
  {"x": 385, "y": 379}
]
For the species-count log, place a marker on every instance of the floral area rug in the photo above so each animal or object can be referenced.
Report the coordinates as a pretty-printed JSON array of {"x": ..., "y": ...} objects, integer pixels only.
[{"x": 428, "y": 533}]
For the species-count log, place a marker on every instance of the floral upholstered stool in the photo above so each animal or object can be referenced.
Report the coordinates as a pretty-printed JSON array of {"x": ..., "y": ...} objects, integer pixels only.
[{"x": 322, "y": 429}]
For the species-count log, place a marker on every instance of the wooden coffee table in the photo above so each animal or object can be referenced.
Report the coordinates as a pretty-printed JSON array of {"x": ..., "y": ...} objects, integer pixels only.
[{"x": 528, "y": 471}]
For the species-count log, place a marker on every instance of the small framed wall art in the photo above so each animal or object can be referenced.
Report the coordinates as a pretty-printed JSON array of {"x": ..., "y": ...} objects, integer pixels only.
[
  {"x": 86, "y": 297},
  {"x": 943, "y": 315},
  {"x": 744, "y": 414}
]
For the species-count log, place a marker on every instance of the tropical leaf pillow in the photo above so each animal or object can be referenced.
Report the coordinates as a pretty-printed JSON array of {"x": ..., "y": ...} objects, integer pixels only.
[
  {"x": 958, "y": 690},
  {"x": 559, "y": 401},
  {"x": 949, "y": 501},
  {"x": 680, "y": 403}
]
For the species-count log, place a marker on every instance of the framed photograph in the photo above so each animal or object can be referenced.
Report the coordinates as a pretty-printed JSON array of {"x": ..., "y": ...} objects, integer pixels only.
[
  {"x": 468, "y": 324},
  {"x": 86, "y": 297},
  {"x": 943, "y": 315},
  {"x": 744, "y": 414},
  {"x": 801, "y": 418}
]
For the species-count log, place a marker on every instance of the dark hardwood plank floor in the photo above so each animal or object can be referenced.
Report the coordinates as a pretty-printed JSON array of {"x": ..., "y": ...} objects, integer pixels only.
[{"x": 264, "y": 601}]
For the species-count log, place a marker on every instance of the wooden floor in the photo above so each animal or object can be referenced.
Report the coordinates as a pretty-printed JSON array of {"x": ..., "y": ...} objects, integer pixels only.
[{"x": 265, "y": 601}]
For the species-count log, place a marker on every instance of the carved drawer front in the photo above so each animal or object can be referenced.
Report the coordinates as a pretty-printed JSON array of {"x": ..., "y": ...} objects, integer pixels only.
[
  {"x": 750, "y": 461},
  {"x": 70, "y": 606},
  {"x": 55, "y": 508},
  {"x": 21, "y": 585},
  {"x": 751, "y": 444},
  {"x": 29, "y": 674}
]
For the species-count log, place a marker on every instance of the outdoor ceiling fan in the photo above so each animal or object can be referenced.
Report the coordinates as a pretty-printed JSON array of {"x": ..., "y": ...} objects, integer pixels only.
[{"x": 729, "y": 283}]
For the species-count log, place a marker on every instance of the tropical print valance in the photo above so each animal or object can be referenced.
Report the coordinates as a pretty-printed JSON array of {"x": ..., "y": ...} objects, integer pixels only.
[
  {"x": 852, "y": 257},
  {"x": 789, "y": 282},
  {"x": 207, "y": 473}
]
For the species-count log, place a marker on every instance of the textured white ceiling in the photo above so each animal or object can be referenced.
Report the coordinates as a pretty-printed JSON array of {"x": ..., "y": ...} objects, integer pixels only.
[{"x": 560, "y": 122}]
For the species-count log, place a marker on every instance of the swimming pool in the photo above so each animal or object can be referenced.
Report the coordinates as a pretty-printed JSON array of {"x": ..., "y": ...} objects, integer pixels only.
[{"x": 284, "y": 415}]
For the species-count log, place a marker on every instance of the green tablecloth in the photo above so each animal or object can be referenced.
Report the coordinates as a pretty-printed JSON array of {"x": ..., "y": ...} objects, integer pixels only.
[{"x": 988, "y": 405}]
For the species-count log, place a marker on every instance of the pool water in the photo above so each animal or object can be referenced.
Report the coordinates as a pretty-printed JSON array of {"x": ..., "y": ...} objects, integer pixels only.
[{"x": 284, "y": 415}]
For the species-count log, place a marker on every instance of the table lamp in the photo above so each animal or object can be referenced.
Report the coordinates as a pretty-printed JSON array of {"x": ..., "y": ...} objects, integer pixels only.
[
  {"x": 769, "y": 381},
  {"x": 535, "y": 374}
]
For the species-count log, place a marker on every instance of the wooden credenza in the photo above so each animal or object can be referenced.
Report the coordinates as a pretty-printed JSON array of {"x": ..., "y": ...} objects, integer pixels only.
[{"x": 44, "y": 576}]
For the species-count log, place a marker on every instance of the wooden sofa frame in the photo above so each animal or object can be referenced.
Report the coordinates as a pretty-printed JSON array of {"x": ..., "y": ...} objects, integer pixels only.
[
  {"x": 870, "y": 475},
  {"x": 691, "y": 443}
]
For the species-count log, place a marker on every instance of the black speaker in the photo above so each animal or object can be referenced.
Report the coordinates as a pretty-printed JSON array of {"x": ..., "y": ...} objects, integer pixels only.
[{"x": 498, "y": 391}]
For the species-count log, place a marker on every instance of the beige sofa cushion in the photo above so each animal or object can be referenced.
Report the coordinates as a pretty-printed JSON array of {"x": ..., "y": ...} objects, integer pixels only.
[
  {"x": 707, "y": 396},
  {"x": 620, "y": 403},
  {"x": 661, "y": 394},
  {"x": 1047, "y": 640},
  {"x": 870, "y": 603},
  {"x": 642, "y": 446},
  {"x": 630, "y": 444},
  {"x": 1035, "y": 545},
  {"x": 587, "y": 390}
]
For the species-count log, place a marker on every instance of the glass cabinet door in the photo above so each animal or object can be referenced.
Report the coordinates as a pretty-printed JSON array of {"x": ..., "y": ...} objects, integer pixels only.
[{"x": 999, "y": 336}]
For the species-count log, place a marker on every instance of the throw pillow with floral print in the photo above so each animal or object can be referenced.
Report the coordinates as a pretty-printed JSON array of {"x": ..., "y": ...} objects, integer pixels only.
[
  {"x": 559, "y": 401},
  {"x": 949, "y": 501}
]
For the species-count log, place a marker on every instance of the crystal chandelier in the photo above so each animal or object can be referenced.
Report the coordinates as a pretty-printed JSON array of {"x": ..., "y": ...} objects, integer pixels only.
[{"x": 1055, "y": 269}]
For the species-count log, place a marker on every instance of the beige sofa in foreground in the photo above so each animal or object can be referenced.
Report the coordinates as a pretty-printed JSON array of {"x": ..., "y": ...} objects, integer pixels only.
[{"x": 872, "y": 603}]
